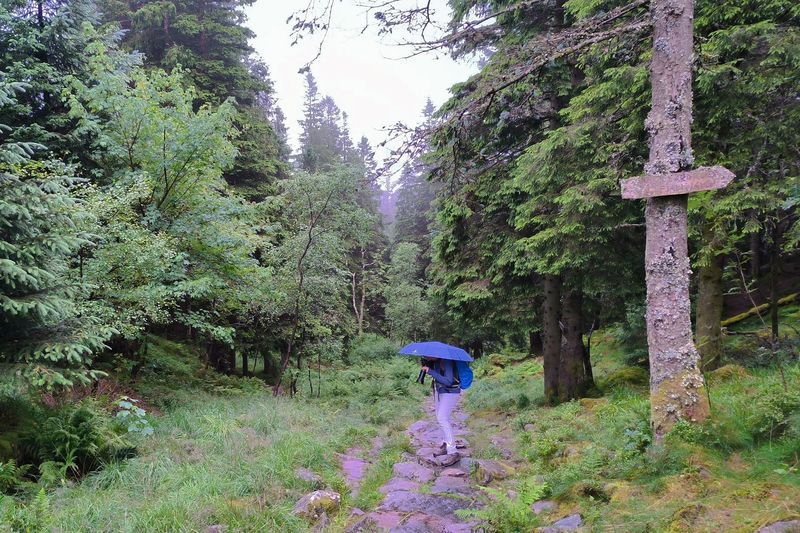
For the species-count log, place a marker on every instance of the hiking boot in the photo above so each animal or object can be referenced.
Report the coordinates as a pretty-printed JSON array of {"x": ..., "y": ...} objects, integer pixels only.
[
  {"x": 441, "y": 450},
  {"x": 449, "y": 459}
]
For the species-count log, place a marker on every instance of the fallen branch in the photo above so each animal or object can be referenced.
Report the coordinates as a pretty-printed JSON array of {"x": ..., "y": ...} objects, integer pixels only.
[{"x": 756, "y": 311}]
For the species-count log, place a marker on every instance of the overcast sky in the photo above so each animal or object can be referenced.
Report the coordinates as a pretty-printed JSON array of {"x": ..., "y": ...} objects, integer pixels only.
[{"x": 358, "y": 70}]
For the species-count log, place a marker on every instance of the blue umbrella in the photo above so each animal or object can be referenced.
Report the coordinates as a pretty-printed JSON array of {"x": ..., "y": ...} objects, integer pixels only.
[{"x": 435, "y": 349}]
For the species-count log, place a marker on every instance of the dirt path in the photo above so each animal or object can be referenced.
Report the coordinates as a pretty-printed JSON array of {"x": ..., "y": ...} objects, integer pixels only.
[{"x": 423, "y": 495}]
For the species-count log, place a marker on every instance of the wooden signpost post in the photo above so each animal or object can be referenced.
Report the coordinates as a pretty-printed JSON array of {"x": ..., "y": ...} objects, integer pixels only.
[{"x": 676, "y": 383}]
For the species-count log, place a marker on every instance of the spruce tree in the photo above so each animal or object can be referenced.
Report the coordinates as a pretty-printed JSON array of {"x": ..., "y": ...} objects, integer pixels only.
[{"x": 44, "y": 324}]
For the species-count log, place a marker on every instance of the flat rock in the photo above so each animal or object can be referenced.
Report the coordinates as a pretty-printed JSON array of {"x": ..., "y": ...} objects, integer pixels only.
[
  {"x": 569, "y": 523},
  {"x": 451, "y": 485},
  {"x": 452, "y": 472},
  {"x": 543, "y": 506},
  {"x": 465, "y": 464},
  {"x": 418, "y": 426},
  {"x": 412, "y": 502},
  {"x": 308, "y": 476},
  {"x": 786, "y": 526},
  {"x": 425, "y": 523},
  {"x": 448, "y": 460},
  {"x": 398, "y": 483},
  {"x": 487, "y": 470},
  {"x": 376, "y": 521},
  {"x": 216, "y": 528},
  {"x": 314, "y": 504},
  {"x": 414, "y": 471},
  {"x": 354, "y": 470}
]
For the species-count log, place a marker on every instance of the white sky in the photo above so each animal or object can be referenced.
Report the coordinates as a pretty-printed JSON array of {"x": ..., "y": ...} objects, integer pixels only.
[{"x": 356, "y": 69}]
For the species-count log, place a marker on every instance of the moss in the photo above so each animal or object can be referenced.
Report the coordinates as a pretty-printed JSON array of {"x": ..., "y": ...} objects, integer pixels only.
[
  {"x": 630, "y": 375},
  {"x": 681, "y": 397},
  {"x": 685, "y": 517},
  {"x": 590, "y": 404},
  {"x": 727, "y": 373}
]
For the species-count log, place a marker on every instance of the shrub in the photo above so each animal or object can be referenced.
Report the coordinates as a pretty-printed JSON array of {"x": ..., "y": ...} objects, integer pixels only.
[
  {"x": 11, "y": 476},
  {"x": 32, "y": 518},
  {"x": 772, "y": 411},
  {"x": 75, "y": 440},
  {"x": 372, "y": 347},
  {"x": 504, "y": 512}
]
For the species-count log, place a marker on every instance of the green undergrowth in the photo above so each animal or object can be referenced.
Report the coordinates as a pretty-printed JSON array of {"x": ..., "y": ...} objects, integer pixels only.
[
  {"x": 596, "y": 456},
  {"x": 224, "y": 450}
]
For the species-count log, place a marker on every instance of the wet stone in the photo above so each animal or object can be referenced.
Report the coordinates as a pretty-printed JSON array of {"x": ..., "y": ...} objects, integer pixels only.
[
  {"x": 376, "y": 521},
  {"x": 543, "y": 506},
  {"x": 786, "y": 526},
  {"x": 354, "y": 470},
  {"x": 410, "y": 502},
  {"x": 570, "y": 523},
  {"x": 414, "y": 471},
  {"x": 451, "y": 485},
  {"x": 398, "y": 484}
]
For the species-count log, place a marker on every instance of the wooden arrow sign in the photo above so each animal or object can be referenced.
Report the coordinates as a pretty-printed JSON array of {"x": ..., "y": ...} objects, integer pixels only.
[{"x": 699, "y": 179}]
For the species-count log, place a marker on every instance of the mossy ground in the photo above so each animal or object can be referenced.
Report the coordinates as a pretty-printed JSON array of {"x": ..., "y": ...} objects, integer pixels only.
[
  {"x": 224, "y": 450},
  {"x": 738, "y": 472}
]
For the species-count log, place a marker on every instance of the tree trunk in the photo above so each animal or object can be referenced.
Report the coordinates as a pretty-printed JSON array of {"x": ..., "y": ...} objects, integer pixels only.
[
  {"x": 676, "y": 384},
  {"x": 535, "y": 343},
  {"x": 587, "y": 357},
  {"x": 774, "y": 274},
  {"x": 551, "y": 336},
  {"x": 755, "y": 255},
  {"x": 708, "y": 317},
  {"x": 477, "y": 349},
  {"x": 571, "y": 371},
  {"x": 244, "y": 364}
]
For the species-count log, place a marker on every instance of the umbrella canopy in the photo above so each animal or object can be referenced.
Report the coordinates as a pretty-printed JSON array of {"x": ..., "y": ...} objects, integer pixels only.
[{"x": 435, "y": 349}]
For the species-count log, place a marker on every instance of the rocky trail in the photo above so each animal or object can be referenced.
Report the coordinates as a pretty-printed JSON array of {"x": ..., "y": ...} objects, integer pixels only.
[{"x": 425, "y": 490}]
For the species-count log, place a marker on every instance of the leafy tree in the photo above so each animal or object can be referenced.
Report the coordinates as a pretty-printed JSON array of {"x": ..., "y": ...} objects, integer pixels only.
[
  {"x": 209, "y": 41},
  {"x": 407, "y": 309},
  {"x": 320, "y": 217}
]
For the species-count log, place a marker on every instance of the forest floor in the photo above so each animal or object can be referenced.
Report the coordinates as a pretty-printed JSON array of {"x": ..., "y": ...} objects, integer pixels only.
[{"x": 227, "y": 456}]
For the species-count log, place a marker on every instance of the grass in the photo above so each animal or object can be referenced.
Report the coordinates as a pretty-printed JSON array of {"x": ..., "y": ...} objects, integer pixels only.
[
  {"x": 225, "y": 451},
  {"x": 738, "y": 472}
]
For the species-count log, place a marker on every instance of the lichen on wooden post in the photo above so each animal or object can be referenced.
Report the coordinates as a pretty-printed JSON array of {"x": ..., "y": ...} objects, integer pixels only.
[{"x": 676, "y": 383}]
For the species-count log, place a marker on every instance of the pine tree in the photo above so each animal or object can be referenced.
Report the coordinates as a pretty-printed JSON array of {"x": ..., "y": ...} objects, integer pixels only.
[{"x": 43, "y": 322}]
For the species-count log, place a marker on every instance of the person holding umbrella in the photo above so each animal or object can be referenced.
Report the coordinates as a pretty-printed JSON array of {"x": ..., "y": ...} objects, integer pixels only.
[
  {"x": 445, "y": 364},
  {"x": 448, "y": 390}
]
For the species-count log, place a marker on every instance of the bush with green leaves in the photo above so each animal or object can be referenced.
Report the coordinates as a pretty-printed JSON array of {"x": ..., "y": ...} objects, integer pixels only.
[
  {"x": 34, "y": 517},
  {"x": 772, "y": 412},
  {"x": 372, "y": 347},
  {"x": 508, "y": 513},
  {"x": 73, "y": 440},
  {"x": 131, "y": 417},
  {"x": 12, "y": 476}
]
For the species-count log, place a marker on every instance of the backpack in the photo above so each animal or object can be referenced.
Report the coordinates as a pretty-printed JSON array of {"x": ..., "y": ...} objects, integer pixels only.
[{"x": 464, "y": 374}]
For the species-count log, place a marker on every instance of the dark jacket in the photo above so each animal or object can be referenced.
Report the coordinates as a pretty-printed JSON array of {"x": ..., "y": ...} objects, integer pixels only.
[{"x": 445, "y": 377}]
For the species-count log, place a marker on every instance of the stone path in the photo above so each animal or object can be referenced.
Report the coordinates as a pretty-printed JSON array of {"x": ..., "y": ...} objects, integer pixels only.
[{"x": 425, "y": 492}]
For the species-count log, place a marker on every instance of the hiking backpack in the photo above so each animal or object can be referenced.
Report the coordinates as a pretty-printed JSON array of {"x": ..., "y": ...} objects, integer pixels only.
[{"x": 464, "y": 374}]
